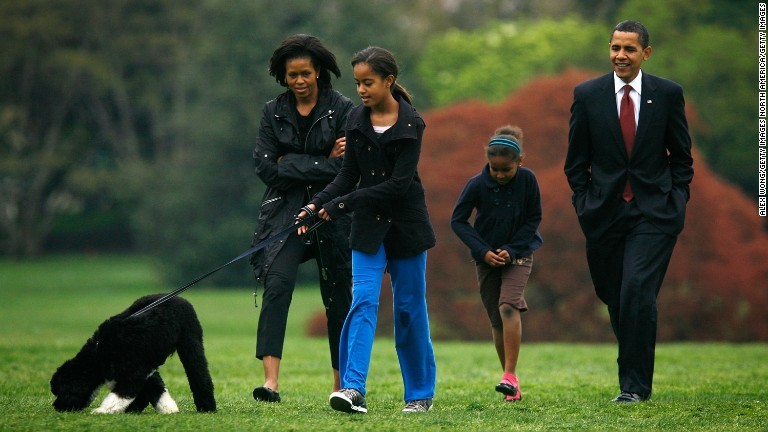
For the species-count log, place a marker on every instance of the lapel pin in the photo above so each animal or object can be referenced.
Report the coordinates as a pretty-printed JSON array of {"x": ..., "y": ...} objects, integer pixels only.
[{"x": 649, "y": 101}]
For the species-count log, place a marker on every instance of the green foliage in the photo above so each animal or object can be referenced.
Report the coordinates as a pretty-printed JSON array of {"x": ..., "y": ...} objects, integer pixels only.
[
  {"x": 49, "y": 308},
  {"x": 37, "y": 92},
  {"x": 193, "y": 217},
  {"x": 491, "y": 62},
  {"x": 86, "y": 86},
  {"x": 728, "y": 131}
]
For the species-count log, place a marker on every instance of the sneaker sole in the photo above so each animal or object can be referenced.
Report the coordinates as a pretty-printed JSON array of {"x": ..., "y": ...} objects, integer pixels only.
[
  {"x": 339, "y": 402},
  {"x": 507, "y": 390}
]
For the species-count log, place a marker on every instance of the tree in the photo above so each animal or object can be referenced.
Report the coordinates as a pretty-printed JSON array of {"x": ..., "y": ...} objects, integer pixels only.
[
  {"x": 41, "y": 90},
  {"x": 491, "y": 62},
  {"x": 80, "y": 96}
]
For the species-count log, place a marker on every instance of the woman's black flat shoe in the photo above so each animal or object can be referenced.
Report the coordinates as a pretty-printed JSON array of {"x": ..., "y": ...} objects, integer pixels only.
[{"x": 266, "y": 394}]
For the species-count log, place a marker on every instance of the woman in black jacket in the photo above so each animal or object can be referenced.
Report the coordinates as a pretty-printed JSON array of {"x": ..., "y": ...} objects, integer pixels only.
[
  {"x": 391, "y": 232},
  {"x": 299, "y": 150}
]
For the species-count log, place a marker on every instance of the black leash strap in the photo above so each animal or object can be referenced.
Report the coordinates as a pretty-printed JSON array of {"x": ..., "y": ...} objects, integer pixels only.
[{"x": 261, "y": 245}]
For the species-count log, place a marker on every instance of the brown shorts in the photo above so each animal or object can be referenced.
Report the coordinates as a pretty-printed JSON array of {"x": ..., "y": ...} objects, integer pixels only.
[{"x": 503, "y": 285}]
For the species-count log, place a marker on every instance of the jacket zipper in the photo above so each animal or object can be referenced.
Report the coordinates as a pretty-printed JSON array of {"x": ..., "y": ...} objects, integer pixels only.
[
  {"x": 315, "y": 234},
  {"x": 306, "y": 140},
  {"x": 271, "y": 200}
]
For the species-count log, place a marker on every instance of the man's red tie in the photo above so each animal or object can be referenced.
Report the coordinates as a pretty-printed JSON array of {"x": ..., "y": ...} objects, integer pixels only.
[{"x": 627, "y": 120}]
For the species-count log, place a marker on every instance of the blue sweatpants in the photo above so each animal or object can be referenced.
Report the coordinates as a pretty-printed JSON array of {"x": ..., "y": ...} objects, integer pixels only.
[{"x": 412, "y": 339}]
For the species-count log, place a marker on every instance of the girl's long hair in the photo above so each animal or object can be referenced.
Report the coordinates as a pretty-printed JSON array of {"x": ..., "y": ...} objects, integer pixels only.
[{"x": 383, "y": 63}]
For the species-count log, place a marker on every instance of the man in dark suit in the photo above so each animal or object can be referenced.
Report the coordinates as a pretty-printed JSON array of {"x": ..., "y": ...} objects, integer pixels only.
[{"x": 629, "y": 165}]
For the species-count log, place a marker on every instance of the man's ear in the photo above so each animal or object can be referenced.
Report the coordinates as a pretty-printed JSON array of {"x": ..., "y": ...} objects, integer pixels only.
[{"x": 647, "y": 53}]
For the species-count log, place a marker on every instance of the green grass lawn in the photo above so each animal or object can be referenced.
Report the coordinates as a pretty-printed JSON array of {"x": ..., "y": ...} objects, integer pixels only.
[{"x": 49, "y": 307}]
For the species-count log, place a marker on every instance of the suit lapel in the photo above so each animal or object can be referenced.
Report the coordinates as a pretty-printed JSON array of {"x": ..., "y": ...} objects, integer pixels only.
[
  {"x": 647, "y": 107},
  {"x": 611, "y": 113}
]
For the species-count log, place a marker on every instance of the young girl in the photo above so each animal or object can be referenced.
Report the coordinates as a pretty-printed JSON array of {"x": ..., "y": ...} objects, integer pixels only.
[
  {"x": 391, "y": 232},
  {"x": 501, "y": 241}
]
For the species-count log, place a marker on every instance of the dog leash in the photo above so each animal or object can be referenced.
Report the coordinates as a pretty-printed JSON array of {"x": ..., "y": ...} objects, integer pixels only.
[{"x": 261, "y": 245}]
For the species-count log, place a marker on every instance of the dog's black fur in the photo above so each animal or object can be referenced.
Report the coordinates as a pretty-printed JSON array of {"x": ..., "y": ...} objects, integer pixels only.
[{"x": 127, "y": 351}]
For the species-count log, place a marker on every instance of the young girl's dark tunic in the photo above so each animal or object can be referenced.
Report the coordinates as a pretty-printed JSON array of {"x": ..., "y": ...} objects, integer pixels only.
[{"x": 507, "y": 216}]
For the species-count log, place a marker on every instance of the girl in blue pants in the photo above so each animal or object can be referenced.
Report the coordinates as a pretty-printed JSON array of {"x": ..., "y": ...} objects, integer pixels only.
[{"x": 379, "y": 185}]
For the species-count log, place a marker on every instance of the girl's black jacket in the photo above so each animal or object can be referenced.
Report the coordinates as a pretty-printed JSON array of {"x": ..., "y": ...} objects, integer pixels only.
[
  {"x": 389, "y": 204},
  {"x": 507, "y": 216},
  {"x": 303, "y": 170}
]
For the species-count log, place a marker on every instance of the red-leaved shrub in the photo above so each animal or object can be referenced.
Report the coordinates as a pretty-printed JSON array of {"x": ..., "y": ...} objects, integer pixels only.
[{"x": 716, "y": 287}]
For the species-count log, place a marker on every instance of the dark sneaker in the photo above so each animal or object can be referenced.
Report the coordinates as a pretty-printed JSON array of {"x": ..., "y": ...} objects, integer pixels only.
[
  {"x": 348, "y": 401},
  {"x": 627, "y": 397},
  {"x": 421, "y": 405},
  {"x": 508, "y": 386}
]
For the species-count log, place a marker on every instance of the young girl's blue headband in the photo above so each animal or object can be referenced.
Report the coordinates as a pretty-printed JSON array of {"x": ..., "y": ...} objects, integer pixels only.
[{"x": 508, "y": 142}]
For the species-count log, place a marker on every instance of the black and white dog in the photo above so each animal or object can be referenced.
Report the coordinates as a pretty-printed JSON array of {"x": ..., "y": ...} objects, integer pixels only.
[{"x": 124, "y": 354}]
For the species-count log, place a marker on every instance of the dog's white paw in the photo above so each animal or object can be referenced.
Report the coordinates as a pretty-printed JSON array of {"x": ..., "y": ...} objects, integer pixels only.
[
  {"x": 113, "y": 404},
  {"x": 166, "y": 404}
]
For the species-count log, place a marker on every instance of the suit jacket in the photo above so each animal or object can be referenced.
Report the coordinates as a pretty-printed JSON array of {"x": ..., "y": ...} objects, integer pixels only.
[{"x": 660, "y": 168}]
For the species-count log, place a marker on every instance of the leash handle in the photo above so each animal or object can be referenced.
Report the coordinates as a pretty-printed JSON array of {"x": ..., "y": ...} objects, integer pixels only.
[
  {"x": 261, "y": 245},
  {"x": 315, "y": 226}
]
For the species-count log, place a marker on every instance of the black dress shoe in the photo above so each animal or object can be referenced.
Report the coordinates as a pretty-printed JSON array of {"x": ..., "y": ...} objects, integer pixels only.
[
  {"x": 266, "y": 394},
  {"x": 627, "y": 397}
]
